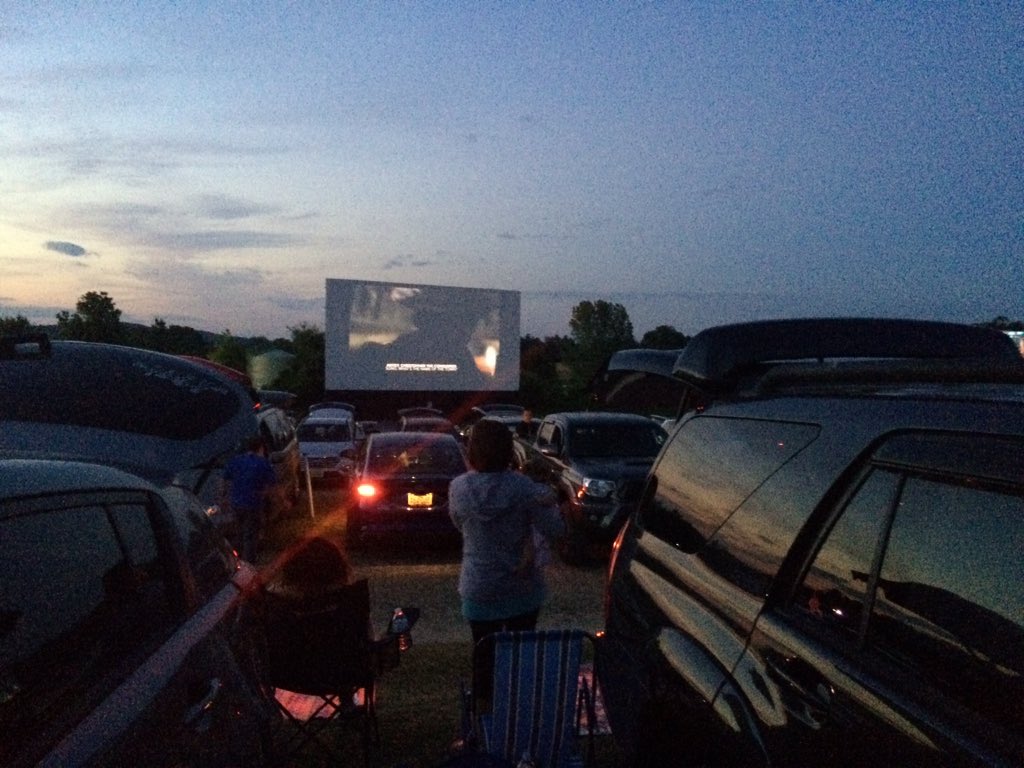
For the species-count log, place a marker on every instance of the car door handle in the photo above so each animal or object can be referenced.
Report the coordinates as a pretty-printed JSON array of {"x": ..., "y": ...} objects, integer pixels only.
[
  {"x": 195, "y": 714},
  {"x": 806, "y": 685}
]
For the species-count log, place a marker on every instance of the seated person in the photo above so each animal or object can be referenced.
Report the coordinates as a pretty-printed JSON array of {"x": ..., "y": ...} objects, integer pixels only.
[
  {"x": 317, "y": 567},
  {"x": 311, "y": 569}
]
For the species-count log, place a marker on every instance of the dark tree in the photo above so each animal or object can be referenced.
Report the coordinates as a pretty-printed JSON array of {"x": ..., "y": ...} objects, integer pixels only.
[
  {"x": 599, "y": 329},
  {"x": 96, "y": 318},
  {"x": 542, "y": 373},
  {"x": 305, "y": 376},
  {"x": 174, "y": 339},
  {"x": 231, "y": 352},
  {"x": 14, "y": 326},
  {"x": 664, "y": 337}
]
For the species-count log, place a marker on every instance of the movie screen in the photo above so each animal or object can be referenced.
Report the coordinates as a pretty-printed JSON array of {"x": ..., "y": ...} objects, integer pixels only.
[{"x": 402, "y": 337}]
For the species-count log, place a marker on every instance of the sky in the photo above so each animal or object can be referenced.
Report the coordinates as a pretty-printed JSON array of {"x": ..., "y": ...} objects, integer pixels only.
[{"x": 212, "y": 164}]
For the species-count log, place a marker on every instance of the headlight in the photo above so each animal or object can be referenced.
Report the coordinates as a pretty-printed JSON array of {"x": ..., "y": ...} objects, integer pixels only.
[{"x": 597, "y": 489}]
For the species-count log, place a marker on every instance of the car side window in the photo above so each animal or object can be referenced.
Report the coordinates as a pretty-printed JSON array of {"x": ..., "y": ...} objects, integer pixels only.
[
  {"x": 835, "y": 588},
  {"x": 709, "y": 467},
  {"x": 209, "y": 556},
  {"x": 950, "y": 598},
  {"x": 85, "y": 593}
]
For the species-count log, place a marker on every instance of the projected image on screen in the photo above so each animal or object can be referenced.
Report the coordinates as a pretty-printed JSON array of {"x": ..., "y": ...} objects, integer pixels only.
[{"x": 394, "y": 336}]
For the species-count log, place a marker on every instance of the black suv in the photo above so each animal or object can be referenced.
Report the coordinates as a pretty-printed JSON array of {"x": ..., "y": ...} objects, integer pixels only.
[
  {"x": 596, "y": 464},
  {"x": 827, "y": 564}
]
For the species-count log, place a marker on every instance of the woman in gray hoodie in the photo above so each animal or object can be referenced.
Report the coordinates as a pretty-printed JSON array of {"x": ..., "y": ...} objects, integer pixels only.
[{"x": 501, "y": 513}]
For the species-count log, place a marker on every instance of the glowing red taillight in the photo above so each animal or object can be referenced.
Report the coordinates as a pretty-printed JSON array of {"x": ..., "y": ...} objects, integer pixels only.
[{"x": 366, "y": 490}]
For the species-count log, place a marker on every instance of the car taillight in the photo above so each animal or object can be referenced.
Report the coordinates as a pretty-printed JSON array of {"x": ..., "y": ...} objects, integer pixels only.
[
  {"x": 616, "y": 546},
  {"x": 366, "y": 490}
]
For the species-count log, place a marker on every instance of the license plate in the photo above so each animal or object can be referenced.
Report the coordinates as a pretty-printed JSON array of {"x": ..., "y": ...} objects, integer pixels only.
[{"x": 421, "y": 500}]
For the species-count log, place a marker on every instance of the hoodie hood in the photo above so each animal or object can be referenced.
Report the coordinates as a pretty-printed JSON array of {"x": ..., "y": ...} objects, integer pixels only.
[{"x": 488, "y": 495}]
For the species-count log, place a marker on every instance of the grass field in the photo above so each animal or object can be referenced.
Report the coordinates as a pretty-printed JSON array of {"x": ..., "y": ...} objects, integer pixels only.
[{"x": 418, "y": 702}]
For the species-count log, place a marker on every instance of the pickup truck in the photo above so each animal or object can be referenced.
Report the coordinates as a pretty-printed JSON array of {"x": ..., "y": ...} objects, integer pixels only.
[{"x": 597, "y": 463}]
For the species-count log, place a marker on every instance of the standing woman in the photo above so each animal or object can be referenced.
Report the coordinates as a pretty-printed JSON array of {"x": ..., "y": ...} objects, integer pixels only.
[{"x": 498, "y": 511}]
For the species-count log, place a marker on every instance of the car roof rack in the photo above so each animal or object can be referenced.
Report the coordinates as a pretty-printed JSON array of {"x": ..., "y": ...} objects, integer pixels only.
[{"x": 759, "y": 357}]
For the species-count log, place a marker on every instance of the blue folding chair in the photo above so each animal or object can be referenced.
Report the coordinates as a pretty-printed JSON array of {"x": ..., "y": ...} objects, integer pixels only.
[{"x": 538, "y": 699}]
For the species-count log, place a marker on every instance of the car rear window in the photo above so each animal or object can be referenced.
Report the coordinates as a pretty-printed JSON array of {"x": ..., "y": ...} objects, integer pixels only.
[
  {"x": 593, "y": 441},
  {"x": 416, "y": 457},
  {"x": 120, "y": 390},
  {"x": 324, "y": 433}
]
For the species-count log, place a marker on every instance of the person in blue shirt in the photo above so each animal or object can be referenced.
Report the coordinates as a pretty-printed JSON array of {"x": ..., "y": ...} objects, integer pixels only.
[{"x": 249, "y": 481}]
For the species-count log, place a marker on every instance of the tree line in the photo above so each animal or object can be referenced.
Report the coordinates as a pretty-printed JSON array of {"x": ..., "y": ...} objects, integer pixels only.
[{"x": 555, "y": 372}]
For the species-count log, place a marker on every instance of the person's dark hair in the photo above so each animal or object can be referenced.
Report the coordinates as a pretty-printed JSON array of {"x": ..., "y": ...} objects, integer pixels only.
[
  {"x": 490, "y": 446},
  {"x": 316, "y": 563}
]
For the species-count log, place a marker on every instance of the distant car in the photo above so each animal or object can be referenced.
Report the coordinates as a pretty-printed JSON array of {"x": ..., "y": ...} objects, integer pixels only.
[
  {"x": 507, "y": 413},
  {"x": 332, "y": 405},
  {"x": 402, "y": 485},
  {"x": 282, "y": 444},
  {"x": 125, "y": 629},
  {"x": 596, "y": 463},
  {"x": 437, "y": 424},
  {"x": 327, "y": 441}
]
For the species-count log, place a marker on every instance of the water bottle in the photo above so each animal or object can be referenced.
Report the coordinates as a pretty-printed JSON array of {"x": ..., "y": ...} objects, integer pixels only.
[{"x": 400, "y": 627}]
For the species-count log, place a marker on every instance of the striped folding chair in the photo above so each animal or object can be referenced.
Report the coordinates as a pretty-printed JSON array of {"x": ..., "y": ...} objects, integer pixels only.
[{"x": 538, "y": 701}]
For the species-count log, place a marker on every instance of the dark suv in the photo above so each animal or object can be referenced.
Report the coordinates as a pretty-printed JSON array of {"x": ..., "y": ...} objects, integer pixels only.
[{"x": 827, "y": 563}]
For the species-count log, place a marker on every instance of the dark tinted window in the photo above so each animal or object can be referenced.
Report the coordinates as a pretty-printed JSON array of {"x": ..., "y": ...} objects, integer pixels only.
[
  {"x": 836, "y": 584},
  {"x": 419, "y": 456},
  {"x": 549, "y": 436},
  {"x": 84, "y": 595},
  {"x": 120, "y": 389},
  {"x": 707, "y": 470},
  {"x": 950, "y": 598},
  {"x": 948, "y": 605},
  {"x": 324, "y": 433},
  {"x": 209, "y": 556}
]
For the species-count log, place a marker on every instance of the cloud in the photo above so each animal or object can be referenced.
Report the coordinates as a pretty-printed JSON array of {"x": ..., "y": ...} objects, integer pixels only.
[
  {"x": 68, "y": 249},
  {"x": 220, "y": 240},
  {"x": 299, "y": 304},
  {"x": 406, "y": 260},
  {"x": 227, "y": 208}
]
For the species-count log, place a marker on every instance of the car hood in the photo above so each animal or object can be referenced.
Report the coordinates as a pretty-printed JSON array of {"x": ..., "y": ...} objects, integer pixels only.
[{"x": 156, "y": 415}]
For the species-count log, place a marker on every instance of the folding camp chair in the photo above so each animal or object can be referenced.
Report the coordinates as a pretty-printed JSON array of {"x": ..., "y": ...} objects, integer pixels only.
[
  {"x": 321, "y": 647},
  {"x": 538, "y": 700}
]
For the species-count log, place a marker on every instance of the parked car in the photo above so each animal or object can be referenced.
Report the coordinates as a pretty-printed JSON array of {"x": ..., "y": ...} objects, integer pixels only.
[
  {"x": 507, "y": 413},
  {"x": 327, "y": 442},
  {"x": 282, "y": 445},
  {"x": 402, "y": 485},
  {"x": 169, "y": 419},
  {"x": 426, "y": 424},
  {"x": 596, "y": 463},
  {"x": 825, "y": 567},
  {"x": 125, "y": 634}
]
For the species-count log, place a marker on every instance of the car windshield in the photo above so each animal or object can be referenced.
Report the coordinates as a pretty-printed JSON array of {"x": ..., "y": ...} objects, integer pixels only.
[
  {"x": 418, "y": 457},
  {"x": 324, "y": 433},
  {"x": 616, "y": 440}
]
